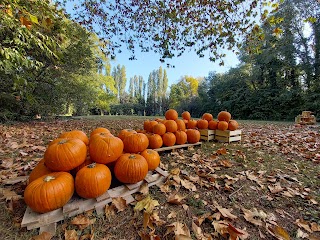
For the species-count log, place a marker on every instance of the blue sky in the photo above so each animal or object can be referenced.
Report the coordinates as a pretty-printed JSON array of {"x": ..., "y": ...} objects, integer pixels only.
[{"x": 187, "y": 64}]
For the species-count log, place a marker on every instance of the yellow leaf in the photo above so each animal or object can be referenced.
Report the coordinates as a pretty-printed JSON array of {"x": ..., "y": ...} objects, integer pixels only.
[
  {"x": 147, "y": 203},
  {"x": 33, "y": 18},
  {"x": 279, "y": 232}
]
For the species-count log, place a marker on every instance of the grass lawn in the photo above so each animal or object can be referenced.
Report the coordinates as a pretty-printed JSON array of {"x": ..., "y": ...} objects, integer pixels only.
[{"x": 265, "y": 187}]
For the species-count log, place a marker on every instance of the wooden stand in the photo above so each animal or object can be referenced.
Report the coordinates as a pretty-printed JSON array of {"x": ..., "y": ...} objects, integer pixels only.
[
  {"x": 221, "y": 136},
  {"x": 207, "y": 134},
  {"x": 305, "y": 118},
  {"x": 174, "y": 147}
]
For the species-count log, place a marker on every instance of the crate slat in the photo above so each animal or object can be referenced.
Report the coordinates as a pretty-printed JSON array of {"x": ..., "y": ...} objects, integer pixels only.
[{"x": 177, "y": 147}]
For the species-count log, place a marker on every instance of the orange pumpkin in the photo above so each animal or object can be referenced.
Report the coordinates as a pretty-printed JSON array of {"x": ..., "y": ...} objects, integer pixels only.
[
  {"x": 39, "y": 171},
  {"x": 207, "y": 116},
  {"x": 192, "y": 124},
  {"x": 222, "y": 125},
  {"x": 146, "y": 125},
  {"x": 181, "y": 125},
  {"x": 202, "y": 124},
  {"x": 85, "y": 163},
  {"x": 171, "y": 126},
  {"x": 171, "y": 114},
  {"x": 224, "y": 116},
  {"x": 136, "y": 142},
  {"x": 181, "y": 137},
  {"x": 213, "y": 125},
  {"x": 193, "y": 136},
  {"x": 104, "y": 148},
  {"x": 155, "y": 141},
  {"x": 152, "y": 157},
  {"x": 186, "y": 115},
  {"x": 49, "y": 192},
  {"x": 99, "y": 130},
  {"x": 233, "y": 125},
  {"x": 169, "y": 139},
  {"x": 64, "y": 154},
  {"x": 131, "y": 168},
  {"x": 93, "y": 180},
  {"x": 160, "y": 129},
  {"x": 125, "y": 132},
  {"x": 151, "y": 125},
  {"x": 76, "y": 134}
]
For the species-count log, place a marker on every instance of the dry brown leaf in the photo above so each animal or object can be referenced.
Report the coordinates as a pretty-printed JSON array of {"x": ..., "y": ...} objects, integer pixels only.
[
  {"x": 7, "y": 163},
  {"x": 88, "y": 236},
  {"x": 188, "y": 185},
  {"x": 199, "y": 220},
  {"x": 180, "y": 230},
  {"x": 197, "y": 231},
  {"x": 175, "y": 171},
  {"x": 301, "y": 234},
  {"x": 119, "y": 203},
  {"x": 278, "y": 232},
  {"x": 303, "y": 224},
  {"x": 175, "y": 198},
  {"x": 146, "y": 219},
  {"x": 9, "y": 194},
  {"x": 251, "y": 216},
  {"x": 235, "y": 233},
  {"x": 148, "y": 236},
  {"x": 165, "y": 188},
  {"x": 154, "y": 218},
  {"x": 173, "y": 214},
  {"x": 276, "y": 188},
  {"x": 144, "y": 189},
  {"x": 224, "y": 228},
  {"x": 226, "y": 163},
  {"x": 70, "y": 235},
  {"x": 315, "y": 227},
  {"x": 221, "y": 151},
  {"x": 226, "y": 213},
  {"x": 110, "y": 210},
  {"x": 82, "y": 221},
  {"x": 43, "y": 236}
]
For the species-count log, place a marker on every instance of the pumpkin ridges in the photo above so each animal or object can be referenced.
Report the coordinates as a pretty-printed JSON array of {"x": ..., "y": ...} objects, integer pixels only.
[
  {"x": 222, "y": 125},
  {"x": 193, "y": 135},
  {"x": 39, "y": 171},
  {"x": 224, "y": 116},
  {"x": 152, "y": 157},
  {"x": 76, "y": 134},
  {"x": 135, "y": 143},
  {"x": 171, "y": 114},
  {"x": 155, "y": 141},
  {"x": 233, "y": 125}
]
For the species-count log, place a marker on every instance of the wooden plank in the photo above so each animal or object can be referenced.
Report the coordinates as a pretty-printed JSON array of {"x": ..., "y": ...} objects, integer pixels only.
[
  {"x": 51, "y": 228},
  {"x": 29, "y": 217},
  {"x": 206, "y": 132},
  {"x": 47, "y": 218},
  {"x": 207, "y": 138},
  {"x": 152, "y": 178},
  {"x": 228, "y": 133},
  {"x": 176, "y": 147},
  {"x": 135, "y": 185},
  {"x": 162, "y": 172},
  {"x": 103, "y": 197},
  {"x": 78, "y": 206},
  {"x": 228, "y": 139}
]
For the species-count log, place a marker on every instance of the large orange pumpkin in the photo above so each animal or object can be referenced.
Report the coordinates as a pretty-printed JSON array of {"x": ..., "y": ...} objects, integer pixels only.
[
  {"x": 99, "y": 130},
  {"x": 181, "y": 125},
  {"x": 186, "y": 115},
  {"x": 64, "y": 154},
  {"x": 85, "y": 163},
  {"x": 193, "y": 136},
  {"x": 192, "y": 124},
  {"x": 131, "y": 168},
  {"x": 152, "y": 157},
  {"x": 207, "y": 116},
  {"x": 49, "y": 192},
  {"x": 169, "y": 139},
  {"x": 224, "y": 116},
  {"x": 160, "y": 129},
  {"x": 233, "y": 125},
  {"x": 93, "y": 180},
  {"x": 202, "y": 124},
  {"x": 76, "y": 134},
  {"x": 171, "y": 126},
  {"x": 213, "y": 125},
  {"x": 155, "y": 141},
  {"x": 125, "y": 132},
  {"x": 181, "y": 137},
  {"x": 104, "y": 148},
  {"x": 135, "y": 143},
  {"x": 171, "y": 114},
  {"x": 151, "y": 125},
  {"x": 39, "y": 171},
  {"x": 222, "y": 125}
]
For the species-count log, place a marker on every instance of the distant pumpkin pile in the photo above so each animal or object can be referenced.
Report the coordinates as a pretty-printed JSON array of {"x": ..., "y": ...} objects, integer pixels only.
[
  {"x": 223, "y": 122},
  {"x": 75, "y": 163}
]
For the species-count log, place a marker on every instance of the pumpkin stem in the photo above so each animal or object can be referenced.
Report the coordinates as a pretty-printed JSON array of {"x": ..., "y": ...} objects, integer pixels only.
[
  {"x": 132, "y": 156},
  {"x": 49, "y": 178},
  {"x": 63, "y": 141},
  {"x": 92, "y": 165}
]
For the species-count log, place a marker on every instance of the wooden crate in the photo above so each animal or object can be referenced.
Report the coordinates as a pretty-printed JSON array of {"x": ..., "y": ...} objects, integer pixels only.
[
  {"x": 174, "y": 147},
  {"x": 228, "y": 136},
  {"x": 207, "y": 134},
  {"x": 47, "y": 221}
]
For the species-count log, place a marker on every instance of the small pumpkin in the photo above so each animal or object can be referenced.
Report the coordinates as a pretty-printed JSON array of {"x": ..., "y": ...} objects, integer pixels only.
[
  {"x": 213, "y": 125},
  {"x": 99, "y": 130},
  {"x": 171, "y": 126},
  {"x": 76, "y": 134},
  {"x": 64, "y": 154},
  {"x": 125, "y": 132},
  {"x": 155, "y": 141},
  {"x": 181, "y": 137},
  {"x": 136, "y": 142},
  {"x": 151, "y": 125},
  {"x": 193, "y": 136},
  {"x": 93, "y": 180},
  {"x": 202, "y": 124},
  {"x": 192, "y": 124},
  {"x": 49, "y": 192},
  {"x": 224, "y": 116},
  {"x": 169, "y": 139},
  {"x": 222, "y": 125},
  {"x": 207, "y": 116},
  {"x": 131, "y": 168},
  {"x": 152, "y": 157},
  {"x": 186, "y": 115},
  {"x": 146, "y": 125},
  {"x": 160, "y": 129},
  {"x": 171, "y": 114},
  {"x": 181, "y": 125},
  {"x": 233, "y": 125},
  {"x": 39, "y": 171}
]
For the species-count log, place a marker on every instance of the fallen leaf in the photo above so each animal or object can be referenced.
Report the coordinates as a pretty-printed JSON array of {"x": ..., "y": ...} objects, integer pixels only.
[
  {"x": 251, "y": 216},
  {"x": 110, "y": 210},
  {"x": 70, "y": 235},
  {"x": 43, "y": 236},
  {"x": 303, "y": 224},
  {"x": 119, "y": 203},
  {"x": 226, "y": 213},
  {"x": 278, "y": 232},
  {"x": 82, "y": 221},
  {"x": 188, "y": 185},
  {"x": 144, "y": 189},
  {"x": 180, "y": 230},
  {"x": 175, "y": 171},
  {"x": 147, "y": 203},
  {"x": 301, "y": 234},
  {"x": 197, "y": 231},
  {"x": 173, "y": 214},
  {"x": 315, "y": 227},
  {"x": 276, "y": 188},
  {"x": 175, "y": 198},
  {"x": 226, "y": 163}
]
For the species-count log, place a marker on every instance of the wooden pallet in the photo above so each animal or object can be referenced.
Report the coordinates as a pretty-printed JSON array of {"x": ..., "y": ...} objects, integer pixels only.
[
  {"x": 174, "y": 147},
  {"x": 48, "y": 221},
  {"x": 207, "y": 134},
  {"x": 228, "y": 136}
]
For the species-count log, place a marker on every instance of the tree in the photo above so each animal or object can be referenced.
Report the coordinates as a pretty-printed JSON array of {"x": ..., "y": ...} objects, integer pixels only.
[
  {"x": 169, "y": 27},
  {"x": 119, "y": 75}
]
